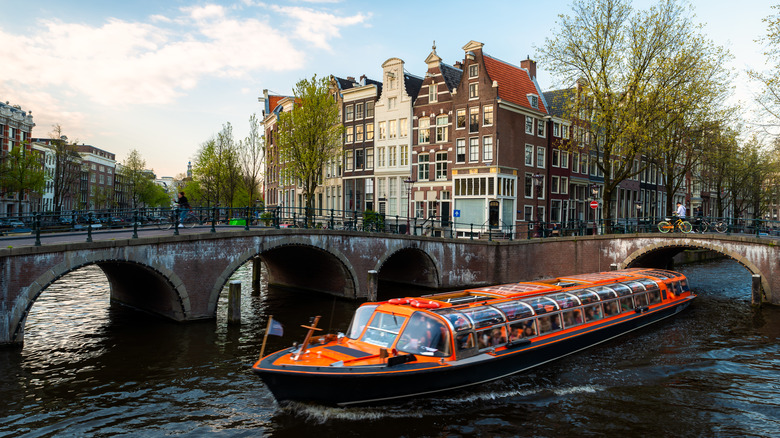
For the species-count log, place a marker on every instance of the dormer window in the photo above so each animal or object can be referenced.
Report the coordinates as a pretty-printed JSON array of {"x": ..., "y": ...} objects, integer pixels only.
[{"x": 534, "y": 100}]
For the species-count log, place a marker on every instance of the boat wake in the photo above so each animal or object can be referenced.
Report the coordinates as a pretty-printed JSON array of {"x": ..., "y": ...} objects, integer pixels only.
[
  {"x": 323, "y": 414},
  {"x": 530, "y": 393}
]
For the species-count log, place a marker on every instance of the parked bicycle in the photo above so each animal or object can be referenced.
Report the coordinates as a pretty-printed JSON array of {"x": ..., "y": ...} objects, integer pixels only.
[
  {"x": 189, "y": 221},
  {"x": 718, "y": 225},
  {"x": 676, "y": 224}
]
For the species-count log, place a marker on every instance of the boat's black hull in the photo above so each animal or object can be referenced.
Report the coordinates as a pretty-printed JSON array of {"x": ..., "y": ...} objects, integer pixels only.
[{"x": 381, "y": 384}]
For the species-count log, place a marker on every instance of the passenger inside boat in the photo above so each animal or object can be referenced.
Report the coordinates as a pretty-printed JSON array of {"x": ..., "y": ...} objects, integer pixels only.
[
  {"x": 611, "y": 308},
  {"x": 593, "y": 313},
  {"x": 424, "y": 335}
]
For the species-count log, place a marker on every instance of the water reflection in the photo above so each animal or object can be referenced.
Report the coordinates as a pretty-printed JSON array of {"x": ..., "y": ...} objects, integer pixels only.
[{"x": 88, "y": 368}]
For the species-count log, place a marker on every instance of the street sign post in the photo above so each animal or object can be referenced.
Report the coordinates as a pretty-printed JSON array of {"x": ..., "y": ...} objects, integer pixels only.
[{"x": 594, "y": 204}]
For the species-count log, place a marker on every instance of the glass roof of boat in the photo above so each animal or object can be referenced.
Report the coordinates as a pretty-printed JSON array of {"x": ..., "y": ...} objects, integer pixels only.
[{"x": 511, "y": 289}]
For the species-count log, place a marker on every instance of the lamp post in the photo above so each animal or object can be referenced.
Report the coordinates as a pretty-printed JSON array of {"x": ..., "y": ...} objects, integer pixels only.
[
  {"x": 638, "y": 214},
  {"x": 408, "y": 182},
  {"x": 538, "y": 183},
  {"x": 594, "y": 190}
]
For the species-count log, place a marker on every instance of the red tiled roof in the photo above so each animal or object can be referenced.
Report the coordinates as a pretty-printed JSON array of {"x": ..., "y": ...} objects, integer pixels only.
[
  {"x": 514, "y": 83},
  {"x": 273, "y": 101}
]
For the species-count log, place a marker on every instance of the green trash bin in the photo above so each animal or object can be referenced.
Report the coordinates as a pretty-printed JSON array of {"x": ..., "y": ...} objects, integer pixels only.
[{"x": 241, "y": 222}]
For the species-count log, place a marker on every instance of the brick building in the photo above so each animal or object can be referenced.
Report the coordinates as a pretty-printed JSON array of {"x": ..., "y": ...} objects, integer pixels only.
[{"x": 16, "y": 127}]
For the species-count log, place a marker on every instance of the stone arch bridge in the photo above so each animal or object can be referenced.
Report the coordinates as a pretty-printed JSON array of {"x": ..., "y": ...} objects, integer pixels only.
[{"x": 181, "y": 277}]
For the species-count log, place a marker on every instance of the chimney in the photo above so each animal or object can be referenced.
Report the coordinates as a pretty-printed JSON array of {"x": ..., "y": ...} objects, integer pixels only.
[
  {"x": 459, "y": 65},
  {"x": 529, "y": 65},
  {"x": 363, "y": 80},
  {"x": 351, "y": 79}
]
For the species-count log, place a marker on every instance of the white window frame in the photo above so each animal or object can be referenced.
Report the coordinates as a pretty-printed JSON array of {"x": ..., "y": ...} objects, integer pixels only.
[
  {"x": 529, "y": 125},
  {"x": 487, "y": 148}
]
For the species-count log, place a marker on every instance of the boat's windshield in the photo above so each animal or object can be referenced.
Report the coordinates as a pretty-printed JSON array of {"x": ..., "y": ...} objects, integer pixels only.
[
  {"x": 383, "y": 329},
  {"x": 359, "y": 321},
  {"x": 425, "y": 335}
]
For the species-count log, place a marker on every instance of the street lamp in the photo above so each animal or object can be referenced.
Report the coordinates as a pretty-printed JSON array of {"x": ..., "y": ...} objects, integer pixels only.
[
  {"x": 408, "y": 183},
  {"x": 638, "y": 214},
  {"x": 538, "y": 183},
  {"x": 594, "y": 190}
]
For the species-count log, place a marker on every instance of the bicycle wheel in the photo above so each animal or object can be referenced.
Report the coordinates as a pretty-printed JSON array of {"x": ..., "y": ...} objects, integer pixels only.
[
  {"x": 703, "y": 226},
  {"x": 721, "y": 227},
  {"x": 686, "y": 227},
  {"x": 190, "y": 221},
  {"x": 665, "y": 226}
]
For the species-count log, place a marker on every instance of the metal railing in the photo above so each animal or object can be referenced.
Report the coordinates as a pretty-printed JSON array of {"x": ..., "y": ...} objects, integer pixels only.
[{"x": 215, "y": 219}]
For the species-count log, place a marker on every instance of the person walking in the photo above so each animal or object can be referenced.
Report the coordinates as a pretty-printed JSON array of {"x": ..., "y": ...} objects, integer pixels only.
[{"x": 680, "y": 210}]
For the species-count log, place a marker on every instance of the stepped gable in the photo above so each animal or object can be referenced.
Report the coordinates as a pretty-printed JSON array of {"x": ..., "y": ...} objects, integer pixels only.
[
  {"x": 451, "y": 75},
  {"x": 514, "y": 83}
]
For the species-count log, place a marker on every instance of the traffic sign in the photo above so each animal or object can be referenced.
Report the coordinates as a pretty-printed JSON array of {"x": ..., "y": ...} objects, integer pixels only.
[
  {"x": 456, "y": 213},
  {"x": 594, "y": 204}
]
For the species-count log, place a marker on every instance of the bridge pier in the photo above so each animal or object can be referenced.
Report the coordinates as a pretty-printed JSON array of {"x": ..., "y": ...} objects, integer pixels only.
[
  {"x": 257, "y": 267},
  {"x": 756, "y": 298}
]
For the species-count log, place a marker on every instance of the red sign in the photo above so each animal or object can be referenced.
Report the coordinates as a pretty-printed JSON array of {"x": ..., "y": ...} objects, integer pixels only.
[{"x": 594, "y": 204}]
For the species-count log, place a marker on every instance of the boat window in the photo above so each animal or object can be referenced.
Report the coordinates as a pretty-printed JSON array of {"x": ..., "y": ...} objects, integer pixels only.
[
  {"x": 592, "y": 313},
  {"x": 663, "y": 275},
  {"x": 678, "y": 287},
  {"x": 604, "y": 292},
  {"x": 623, "y": 289},
  {"x": 684, "y": 284},
  {"x": 514, "y": 310},
  {"x": 648, "y": 283},
  {"x": 456, "y": 318},
  {"x": 464, "y": 341},
  {"x": 522, "y": 329},
  {"x": 492, "y": 337},
  {"x": 586, "y": 296},
  {"x": 635, "y": 286},
  {"x": 549, "y": 323},
  {"x": 424, "y": 335},
  {"x": 565, "y": 301},
  {"x": 626, "y": 304},
  {"x": 383, "y": 329},
  {"x": 611, "y": 308},
  {"x": 359, "y": 321},
  {"x": 484, "y": 316},
  {"x": 640, "y": 300},
  {"x": 572, "y": 318},
  {"x": 541, "y": 304},
  {"x": 654, "y": 296}
]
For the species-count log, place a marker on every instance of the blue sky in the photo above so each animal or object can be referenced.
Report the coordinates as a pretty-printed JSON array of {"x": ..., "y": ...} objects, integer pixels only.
[{"x": 164, "y": 76}]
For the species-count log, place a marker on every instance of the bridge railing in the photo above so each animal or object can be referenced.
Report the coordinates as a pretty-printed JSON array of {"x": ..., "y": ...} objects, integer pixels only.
[{"x": 226, "y": 218}]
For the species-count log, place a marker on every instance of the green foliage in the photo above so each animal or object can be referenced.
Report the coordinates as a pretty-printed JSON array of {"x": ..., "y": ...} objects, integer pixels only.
[
  {"x": 769, "y": 99},
  {"x": 373, "y": 221},
  {"x": 21, "y": 173},
  {"x": 217, "y": 169}
]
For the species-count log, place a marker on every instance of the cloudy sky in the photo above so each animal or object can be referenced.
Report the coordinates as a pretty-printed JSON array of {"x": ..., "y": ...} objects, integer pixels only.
[{"x": 165, "y": 76}]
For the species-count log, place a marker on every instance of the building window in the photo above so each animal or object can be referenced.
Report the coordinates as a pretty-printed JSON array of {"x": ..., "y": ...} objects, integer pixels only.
[
  {"x": 441, "y": 129},
  {"x": 487, "y": 148},
  {"x": 556, "y": 129},
  {"x": 565, "y": 132},
  {"x": 460, "y": 150},
  {"x": 404, "y": 155},
  {"x": 392, "y": 128},
  {"x": 433, "y": 92},
  {"x": 554, "y": 184},
  {"x": 474, "y": 149},
  {"x": 369, "y": 131},
  {"x": 422, "y": 167},
  {"x": 473, "y": 90},
  {"x": 348, "y": 113},
  {"x": 540, "y": 128},
  {"x": 540, "y": 155},
  {"x": 369, "y": 109},
  {"x": 460, "y": 119},
  {"x": 534, "y": 100},
  {"x": 529, "y": 125},
  {"x": 348, "y": 161},
  {"x": 359, "y": 159},
  {"x": 564, "y": 160},
  {"x": 392, "y": 156},
  {"x": 556, "y": 155},
  {"x": 380, "y": 156},
  {"x": 424, "y": 130},
  {"x": 528, "y": 212},
  {"x": 529, "y": 185},
  {"x": 564, "y": 189},
  {"x": 369, "y": 158},
  {"x": 473, "y": 71},
  {"x": 391, "y": 103},
  {"x": 359, "y": 132},
  {"x": 349, "y": 134},
  {"x": 441, "y": 166},
  {"x": 487, "y": 115},
  {"x": 529, "y": 155},
  {"x": 575, "y": 162},
  {"x": 358, "y": 111},
  {"x": 404, "y": 126},
  {"x": 382, "y": 130},
  {"x": 474, "y": 119}
]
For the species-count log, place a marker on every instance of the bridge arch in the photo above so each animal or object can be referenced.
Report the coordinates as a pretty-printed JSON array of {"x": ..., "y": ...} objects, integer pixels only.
[
  {"x": 156, "y": 289},
  {"x": 650, "y": 255},
  {"x": 409, "y": 265}
]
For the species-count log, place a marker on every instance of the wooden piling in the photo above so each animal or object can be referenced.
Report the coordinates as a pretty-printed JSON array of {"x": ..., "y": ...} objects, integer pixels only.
[
  {"x": 234, "y": 302},
  {"x": 256, "y": 268},
  {"x": 373, "y": 285}
]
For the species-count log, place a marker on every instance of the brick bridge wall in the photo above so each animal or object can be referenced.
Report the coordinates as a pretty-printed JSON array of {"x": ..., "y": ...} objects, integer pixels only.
[{"x": 180, "y": 277}]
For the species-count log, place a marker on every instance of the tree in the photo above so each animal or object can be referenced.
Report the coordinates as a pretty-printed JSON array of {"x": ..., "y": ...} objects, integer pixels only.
[
  {"x": 67, "y": 168},
  {"x": 216, "y": 169},
  {"x": 769, "y": 99},
  {"x": 22, "y": 173},
  {"x": 309, "y": 135},
  {"x": 626, "y": 64},
  {"x": 252, "y": 153},
  {"x": 135, "y": 176},
  {"x": 718, "y": 163}
]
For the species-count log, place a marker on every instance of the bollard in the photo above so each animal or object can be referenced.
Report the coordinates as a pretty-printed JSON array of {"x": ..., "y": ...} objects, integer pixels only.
[
  {"x": 234, "y": 302},
  {"x": 373, "y": 283},
  {"x": 613, "y": 267},
  {"x": 37, "y": 225},
  {"x": 756, "y": 291},
  {"x": 135, "y": 224},
  {"x": 89, "y": 227},
  {"x": 257, "y": 266}
]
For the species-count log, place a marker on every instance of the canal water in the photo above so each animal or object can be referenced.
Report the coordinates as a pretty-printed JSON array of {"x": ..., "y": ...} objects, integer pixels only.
[{"x": 91, "y": 369}]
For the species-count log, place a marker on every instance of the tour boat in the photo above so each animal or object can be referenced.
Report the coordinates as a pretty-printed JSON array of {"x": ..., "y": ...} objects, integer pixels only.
[{"x": 412, "y": 347}]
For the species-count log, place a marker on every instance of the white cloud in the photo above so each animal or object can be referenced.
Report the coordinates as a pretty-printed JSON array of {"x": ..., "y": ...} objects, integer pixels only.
[{"x": 317, "y": 27}]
